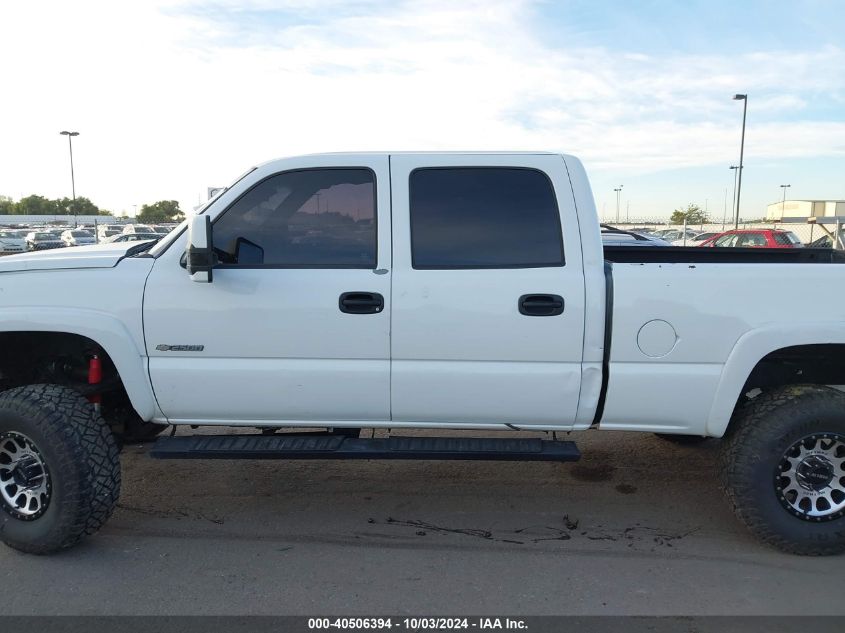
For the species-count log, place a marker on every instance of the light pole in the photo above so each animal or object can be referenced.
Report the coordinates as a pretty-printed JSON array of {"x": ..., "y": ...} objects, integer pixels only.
[
  {"x": 618, "y": 198},
  {"x": 70, "y": 136},
  {"x": 783, "y": 204},
  {"x": 744, "y": 99},
  {"x": 735, "y": 169}
]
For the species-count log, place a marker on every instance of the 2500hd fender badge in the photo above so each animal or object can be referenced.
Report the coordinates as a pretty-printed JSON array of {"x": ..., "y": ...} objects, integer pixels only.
[{"x": 180, "y": 348}]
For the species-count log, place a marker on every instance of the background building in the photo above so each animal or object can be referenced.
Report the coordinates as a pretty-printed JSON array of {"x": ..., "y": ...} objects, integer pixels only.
[{"x": 805, "y": 209}]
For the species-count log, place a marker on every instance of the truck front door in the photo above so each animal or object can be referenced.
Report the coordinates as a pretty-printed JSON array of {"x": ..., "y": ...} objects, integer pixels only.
[
  {"x": 295, "y": 326},
  {"x": 488, "y": 303}
]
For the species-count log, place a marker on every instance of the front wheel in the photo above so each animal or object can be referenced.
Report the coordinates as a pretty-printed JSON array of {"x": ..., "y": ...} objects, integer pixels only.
[
  {"x": 783, "y": 468},
  {"x": 59, "y": 468}
]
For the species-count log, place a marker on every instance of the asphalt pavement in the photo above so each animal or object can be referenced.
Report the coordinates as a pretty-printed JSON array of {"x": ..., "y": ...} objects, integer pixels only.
[{"x": 638, "y": 526}]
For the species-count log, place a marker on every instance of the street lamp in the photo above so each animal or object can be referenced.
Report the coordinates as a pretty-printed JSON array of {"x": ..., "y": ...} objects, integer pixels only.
[
  {"x": 70, "y": 136},
  {"x": 783, "y": 204},
  {"x": 618, "y": 198},
  {"x": 733, "y": 200},
  {"x": 744, "y": 99}
]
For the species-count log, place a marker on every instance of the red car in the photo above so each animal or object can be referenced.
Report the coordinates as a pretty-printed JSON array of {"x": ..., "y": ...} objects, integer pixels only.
[{"x": 754, "y": 238}]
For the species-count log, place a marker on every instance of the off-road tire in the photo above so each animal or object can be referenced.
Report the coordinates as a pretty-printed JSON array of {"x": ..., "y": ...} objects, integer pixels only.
[
  {"x": 683, "y": 440},
  {"x": 758, "y": 437},
  {"x": 82, "y": 459}
]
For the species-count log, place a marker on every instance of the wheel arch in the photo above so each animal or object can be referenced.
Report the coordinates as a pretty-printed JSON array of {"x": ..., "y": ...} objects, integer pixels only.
[
  {"x": 774, "y": 356},
  {"x": 105, "y": 331}
]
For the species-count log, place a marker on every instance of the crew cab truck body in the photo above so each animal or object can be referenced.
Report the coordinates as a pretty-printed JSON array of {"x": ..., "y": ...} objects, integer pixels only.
[{"x": 454, "y": 291}]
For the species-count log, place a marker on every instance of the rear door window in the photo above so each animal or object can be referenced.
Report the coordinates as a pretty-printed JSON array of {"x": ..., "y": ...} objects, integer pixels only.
[
  {"x": 484, "y": 217},
  {"x": 751, "y": 240},
  {"x": 726, "y": 240}
]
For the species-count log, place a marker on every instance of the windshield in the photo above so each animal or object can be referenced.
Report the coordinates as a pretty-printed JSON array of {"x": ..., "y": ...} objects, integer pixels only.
[
  {"x": 7, "y": 234},
  {"x": 81, "y": 234},
  {"x": 43, "y": 236}
]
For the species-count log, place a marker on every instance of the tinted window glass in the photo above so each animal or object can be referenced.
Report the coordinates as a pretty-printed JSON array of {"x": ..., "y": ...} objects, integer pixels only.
[
  {"x": 786, "y": 239},
  {"x": 751, "y": 240},
  {"x": 318, "y": 218},
  {"x": 482, "y": 217}
]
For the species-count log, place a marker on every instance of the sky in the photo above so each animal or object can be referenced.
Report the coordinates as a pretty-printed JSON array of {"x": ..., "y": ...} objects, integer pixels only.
[{"x": 171, "y": 97}]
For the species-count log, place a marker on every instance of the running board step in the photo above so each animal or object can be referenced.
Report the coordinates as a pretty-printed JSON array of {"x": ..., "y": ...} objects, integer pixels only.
[{"x": 339, "y": 447}]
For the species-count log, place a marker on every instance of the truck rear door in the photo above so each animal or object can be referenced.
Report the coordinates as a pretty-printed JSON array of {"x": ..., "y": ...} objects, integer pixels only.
[{"x": 488, "y": 291}]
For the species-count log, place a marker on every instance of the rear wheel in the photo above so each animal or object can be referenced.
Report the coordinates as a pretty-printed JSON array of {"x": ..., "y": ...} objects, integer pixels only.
[
  {"x": 783, "y": 468},
  {"x": 59, "y": 469}
]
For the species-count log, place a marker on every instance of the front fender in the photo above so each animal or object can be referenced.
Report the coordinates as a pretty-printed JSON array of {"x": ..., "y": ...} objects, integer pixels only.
[
  {"x": 104, "y": 329},
  {"x": 749, "y": 350}
]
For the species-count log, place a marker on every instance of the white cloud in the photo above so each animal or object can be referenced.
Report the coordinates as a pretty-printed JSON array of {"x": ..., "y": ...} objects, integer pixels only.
[{"x": 169, "y": 101}]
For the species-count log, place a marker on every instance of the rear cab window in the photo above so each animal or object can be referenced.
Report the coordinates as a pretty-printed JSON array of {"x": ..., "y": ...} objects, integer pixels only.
[{"x": 786, "y": 238}]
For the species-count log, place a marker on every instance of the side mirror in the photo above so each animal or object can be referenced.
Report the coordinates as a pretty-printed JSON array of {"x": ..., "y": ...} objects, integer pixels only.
[{"x": 199, "y": 254}]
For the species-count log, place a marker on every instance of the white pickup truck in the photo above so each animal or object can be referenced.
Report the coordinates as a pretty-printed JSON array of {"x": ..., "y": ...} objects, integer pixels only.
[{"x": 464, "y": 291}]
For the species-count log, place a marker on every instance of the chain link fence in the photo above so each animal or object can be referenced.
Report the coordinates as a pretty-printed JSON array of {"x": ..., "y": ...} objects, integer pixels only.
[{"x": 806, "y": 232}]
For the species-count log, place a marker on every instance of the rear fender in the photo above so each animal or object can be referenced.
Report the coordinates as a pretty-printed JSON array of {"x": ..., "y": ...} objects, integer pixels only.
[{"x": 749, "y": 350}]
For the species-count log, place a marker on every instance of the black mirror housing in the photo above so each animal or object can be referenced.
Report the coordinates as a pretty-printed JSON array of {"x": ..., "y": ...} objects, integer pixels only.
[{"x": 199, "y": 254}]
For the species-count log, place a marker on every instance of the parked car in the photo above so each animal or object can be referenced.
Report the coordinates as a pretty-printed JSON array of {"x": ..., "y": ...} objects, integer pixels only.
[
  {"x": 138, "y": 228},
  {"x": 78, "y": 237},
  {"x": 661, "y": 232},
  {"x": 695, "y": 240},
  {"x": 826, "y": 241},
  {"x": 11, "y": 242},
  {"x": 673, "y": 235},
  {"x": 132, "y": 237},
  {"x": 612, "y": 236},
  {"x": 107, "y": 230},
  {"x": 754, "y": 238},
  {"x": 162, "y": 230},
  {"x": 42, "y": 240}
]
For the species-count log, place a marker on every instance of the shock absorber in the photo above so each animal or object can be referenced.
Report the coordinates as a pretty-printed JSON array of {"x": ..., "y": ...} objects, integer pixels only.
[{"x": 95, "y": 377}]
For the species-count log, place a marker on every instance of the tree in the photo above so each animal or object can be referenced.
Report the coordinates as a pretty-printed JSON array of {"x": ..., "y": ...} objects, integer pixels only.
[
  {"x": 80, "y": 206},
  {"x": 693, "y": 214},
  {"x": 161, "y": 211},
  {"x": 7, "y": 205},
  {"x": 36, "y": 205}
]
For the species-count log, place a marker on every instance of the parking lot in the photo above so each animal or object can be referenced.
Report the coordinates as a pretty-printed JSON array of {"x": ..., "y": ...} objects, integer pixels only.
[
  {"x": 638, "y": 526},
  {"x": 18, "y": 238}
]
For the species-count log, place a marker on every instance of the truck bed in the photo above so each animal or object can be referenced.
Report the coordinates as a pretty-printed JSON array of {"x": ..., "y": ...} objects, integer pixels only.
[{"x": 698, "y": 255}]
